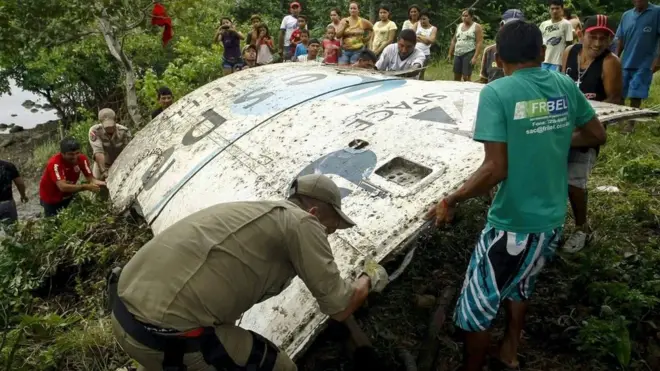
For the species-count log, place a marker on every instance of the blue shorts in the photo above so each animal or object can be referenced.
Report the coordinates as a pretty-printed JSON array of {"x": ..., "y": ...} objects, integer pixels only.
[
  {"x": 637, "y": 82},
  {"x": 504, "y": 265},
  {"x": 551, "y": 67},
  {"x": 232, "y": 64},
  {"x": 350, "y": 56}
]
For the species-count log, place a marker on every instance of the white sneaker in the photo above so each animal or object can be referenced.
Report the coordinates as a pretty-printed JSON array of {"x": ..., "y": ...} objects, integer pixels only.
[{"x": 576, "y": 242}]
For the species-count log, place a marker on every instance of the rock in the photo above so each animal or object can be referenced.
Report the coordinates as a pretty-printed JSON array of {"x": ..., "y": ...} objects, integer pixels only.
[
  {"x": 28, "y": 104},
  {"x": 16, "y": 129},
  {"x": 3, "y": 126},
  {"x": 425, "y": 301},
  {"x": 608, "y": 189},
  {"x": 34, "y": 110},
  {"x": 7, "y": 142},
  {"x": 13, "y": 115}
]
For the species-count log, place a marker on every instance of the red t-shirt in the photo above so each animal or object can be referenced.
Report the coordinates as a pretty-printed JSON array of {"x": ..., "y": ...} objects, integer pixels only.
[
  {"x": 331, "y": 51},
  {"x": 58, "y": 169}
]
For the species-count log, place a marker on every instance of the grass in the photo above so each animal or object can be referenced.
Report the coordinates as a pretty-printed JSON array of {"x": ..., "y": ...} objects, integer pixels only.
[{"x": 596, "y": 310}]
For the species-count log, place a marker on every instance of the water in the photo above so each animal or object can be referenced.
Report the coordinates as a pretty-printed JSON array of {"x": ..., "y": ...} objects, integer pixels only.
[{"x": 12, "y": 104}]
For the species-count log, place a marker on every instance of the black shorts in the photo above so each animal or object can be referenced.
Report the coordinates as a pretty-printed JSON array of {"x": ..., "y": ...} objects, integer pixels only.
[{"x": 463, "y": 64}]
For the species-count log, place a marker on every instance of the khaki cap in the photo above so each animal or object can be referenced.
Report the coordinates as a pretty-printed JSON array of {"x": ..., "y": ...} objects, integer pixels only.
[
  {"x": 107, "y": 117},
  {"x": 322, "y": 188}
]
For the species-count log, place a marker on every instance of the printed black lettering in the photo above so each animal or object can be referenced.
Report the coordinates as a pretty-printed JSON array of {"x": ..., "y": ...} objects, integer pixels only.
[
  {"x": 304, "y": 79},
  {"x": 361, "y": 124},
  {"x": 402, "y": 105},
  {"x": 210, "y": 115},
  {"x": 253, "y": 96},
  {"x": 434, "y": 96},
  {"x": 387, "y": 112},
  {"x": 422, "y": 101},
  {"x": 149, "y": 181}
]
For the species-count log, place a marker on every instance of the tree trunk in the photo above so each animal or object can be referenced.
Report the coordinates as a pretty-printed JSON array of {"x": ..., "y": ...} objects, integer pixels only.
[{"x": 115, "y": 48}]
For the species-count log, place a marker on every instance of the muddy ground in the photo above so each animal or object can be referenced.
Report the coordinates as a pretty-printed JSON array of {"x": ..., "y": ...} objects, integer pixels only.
[{"x": 399, "y": 317}]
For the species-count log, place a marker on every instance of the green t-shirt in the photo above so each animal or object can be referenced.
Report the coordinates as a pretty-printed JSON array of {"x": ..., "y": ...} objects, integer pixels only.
[{"x": 535, "y": 112}]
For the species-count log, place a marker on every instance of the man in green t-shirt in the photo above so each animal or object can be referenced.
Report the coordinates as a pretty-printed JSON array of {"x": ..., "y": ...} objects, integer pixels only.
[{"x": 527, "y": 122}]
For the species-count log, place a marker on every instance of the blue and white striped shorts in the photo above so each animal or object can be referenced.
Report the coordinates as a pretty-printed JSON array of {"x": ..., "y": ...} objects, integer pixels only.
[{"x": 504, "y": 265}]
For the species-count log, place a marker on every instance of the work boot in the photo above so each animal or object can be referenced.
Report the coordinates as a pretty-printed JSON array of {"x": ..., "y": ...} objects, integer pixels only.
[{"x": 576, "y": 242}]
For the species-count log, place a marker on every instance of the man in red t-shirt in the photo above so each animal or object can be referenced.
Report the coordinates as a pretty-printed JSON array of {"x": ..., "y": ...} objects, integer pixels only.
[{"x": 58, "y": 183}]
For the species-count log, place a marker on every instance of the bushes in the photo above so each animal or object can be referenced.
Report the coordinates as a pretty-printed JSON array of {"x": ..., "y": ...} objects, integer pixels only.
[{"x": 52, "y": 279}]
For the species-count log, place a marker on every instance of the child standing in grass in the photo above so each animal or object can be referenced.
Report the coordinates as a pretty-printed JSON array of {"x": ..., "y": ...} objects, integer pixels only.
[
  {"x": 331, "y": 46},
  {"x": 265, "y": 46}
]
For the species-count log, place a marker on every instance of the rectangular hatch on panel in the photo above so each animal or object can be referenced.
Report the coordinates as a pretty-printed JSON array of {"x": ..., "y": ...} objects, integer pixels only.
[{"x": 403, "y": 172}]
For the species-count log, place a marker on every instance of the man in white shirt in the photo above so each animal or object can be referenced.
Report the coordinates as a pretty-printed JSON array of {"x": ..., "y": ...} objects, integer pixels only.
[
  {"x": 289, "y": 24},
  {"x": 403, "y": 55},
  {"x": 557, "y": 35}
]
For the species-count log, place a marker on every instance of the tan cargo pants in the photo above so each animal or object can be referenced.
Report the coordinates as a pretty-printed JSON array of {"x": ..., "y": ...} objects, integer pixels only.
[{"x": 237, "y": 343}]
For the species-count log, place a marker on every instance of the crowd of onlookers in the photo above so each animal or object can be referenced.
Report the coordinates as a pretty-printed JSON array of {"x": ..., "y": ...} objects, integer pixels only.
[{"x": 348, "y": 41}]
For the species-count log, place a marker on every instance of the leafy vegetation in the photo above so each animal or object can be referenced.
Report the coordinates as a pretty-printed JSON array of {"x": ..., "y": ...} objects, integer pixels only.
[
  {"x": 52, "y": 280},
  {"x": 598, "y": 308}
]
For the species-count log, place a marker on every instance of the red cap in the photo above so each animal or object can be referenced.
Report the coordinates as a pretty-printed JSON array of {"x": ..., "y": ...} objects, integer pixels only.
[
  {"x": 600, "y": 22},
  {"x": 295, "y": 3}
]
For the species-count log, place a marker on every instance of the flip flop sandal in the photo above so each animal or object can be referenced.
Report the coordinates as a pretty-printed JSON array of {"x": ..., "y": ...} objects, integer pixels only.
[{"x": 496, "y": 364}]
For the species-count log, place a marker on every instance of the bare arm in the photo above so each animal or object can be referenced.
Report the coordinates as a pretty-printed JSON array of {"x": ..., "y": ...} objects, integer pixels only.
[
  {"x": 340, "y": 30},
  {"x": 492, "y": 171},
  {"x": 619, "y": 47},
  {"x": 479, "y": 32},
  {"x": 360, "y": 293},
  {"x": 613, "y": 80},
  {"x": 99, "y": 157},
  {"x": 483, "y": 73},
  {"x": 216, "y": 38},
  {"x": 73, "y": 188},
  {"x": 590, "y": 135},
  {"x": 20, "y": 185},
  {"x": 564, "y": 58},
  {"x": 452, "y": 46}
]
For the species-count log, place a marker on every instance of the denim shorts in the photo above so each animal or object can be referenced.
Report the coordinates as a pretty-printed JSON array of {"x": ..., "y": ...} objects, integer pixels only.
[
  {"x": 232, "y": 64},
  {"x": 350, "y": 56}
]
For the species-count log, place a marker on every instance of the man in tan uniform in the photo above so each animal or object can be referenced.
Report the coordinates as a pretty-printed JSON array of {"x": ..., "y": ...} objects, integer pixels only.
[
  {"x": 177, "y": 300},
  {"x": 107, "y": 139}
]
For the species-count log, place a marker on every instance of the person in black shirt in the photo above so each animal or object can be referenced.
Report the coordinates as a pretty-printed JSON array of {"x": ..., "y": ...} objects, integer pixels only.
[
  {"x": 490, "y": 71},
  {"x": 9, "y": 174},
  {"x": 165, "y": 99},
  {"x": 597, "y": 72}
]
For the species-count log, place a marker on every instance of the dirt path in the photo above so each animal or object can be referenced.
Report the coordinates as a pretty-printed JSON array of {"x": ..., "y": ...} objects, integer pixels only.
[{"x": 18, "y": 148}]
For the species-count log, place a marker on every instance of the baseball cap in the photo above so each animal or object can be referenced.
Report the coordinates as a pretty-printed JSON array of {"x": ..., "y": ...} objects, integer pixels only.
[
  {"x": 295, "y": 4},
  {"x": 599, "y": 22},
  {"x": 512, "y": 15},
  {"x": 322, "y": 188},
  {"x": 249, "y": 46},
  {"x": 107, "y": 117}
]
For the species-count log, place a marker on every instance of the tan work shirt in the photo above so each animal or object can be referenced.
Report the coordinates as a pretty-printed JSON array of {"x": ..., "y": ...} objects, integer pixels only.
[
  {"x": 110, "y": 146},
  {"x": 214, "y": 265}
]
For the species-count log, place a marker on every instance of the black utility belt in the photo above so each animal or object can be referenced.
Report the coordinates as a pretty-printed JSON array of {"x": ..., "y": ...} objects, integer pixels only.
[{"x": 174, "y": 343}]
